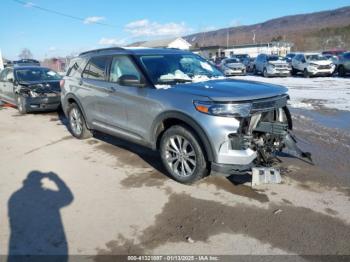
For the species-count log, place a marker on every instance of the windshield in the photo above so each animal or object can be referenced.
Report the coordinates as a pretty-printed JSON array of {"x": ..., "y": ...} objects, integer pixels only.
[
  {"x": 232, "y": 60},
  {"x": 316, "y": 57},
  {"x": 178, "y": 68},
  {"x": 276, "y": 58},
  {"x": 36, "y": 74}
]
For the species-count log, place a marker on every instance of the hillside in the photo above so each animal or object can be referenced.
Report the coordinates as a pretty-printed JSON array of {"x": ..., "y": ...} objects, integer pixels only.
[{"x": 321, "y": 30}]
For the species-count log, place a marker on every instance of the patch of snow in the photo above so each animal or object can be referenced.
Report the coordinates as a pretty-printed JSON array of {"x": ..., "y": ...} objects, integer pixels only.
[{"x": 311, "y": 93}]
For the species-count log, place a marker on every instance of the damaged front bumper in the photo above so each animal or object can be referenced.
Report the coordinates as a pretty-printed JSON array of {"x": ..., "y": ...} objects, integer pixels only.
[
  {"x": 258, "y": 140},
  {"x": 43, "y": 103}
]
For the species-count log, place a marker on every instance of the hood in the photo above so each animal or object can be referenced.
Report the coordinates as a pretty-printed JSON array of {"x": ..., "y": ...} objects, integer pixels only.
[
  {"x": 231, "y": 90},
  {"x": 278, "y": 62},
  {"x": 322, "y": 62},
  {"x": 234, "y": 65}
]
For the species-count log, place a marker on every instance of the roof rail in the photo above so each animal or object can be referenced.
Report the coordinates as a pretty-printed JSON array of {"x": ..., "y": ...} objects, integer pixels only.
[{"x": 101, "y": 50}]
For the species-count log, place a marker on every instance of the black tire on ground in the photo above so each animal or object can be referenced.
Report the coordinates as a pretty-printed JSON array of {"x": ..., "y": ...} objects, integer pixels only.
[
  {"x": 306, "y": 73},
  {"x": 294, "y": 71},
  {"x": 265, "y": 73},
  {"x": 76, "y": 117},
  {"x": 167, "y": 152},
  {"x": 21, "y": 104},
  {"x": 255, "y": 72},
  {"x": 341, "y": 71}
]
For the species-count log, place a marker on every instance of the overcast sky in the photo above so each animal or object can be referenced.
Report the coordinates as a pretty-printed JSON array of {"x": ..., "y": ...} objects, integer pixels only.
[{"x": 102, "y": 23}]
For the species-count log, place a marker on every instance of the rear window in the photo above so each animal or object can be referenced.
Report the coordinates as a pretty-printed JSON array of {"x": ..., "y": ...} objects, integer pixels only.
[{"x": 96, "y": 68}]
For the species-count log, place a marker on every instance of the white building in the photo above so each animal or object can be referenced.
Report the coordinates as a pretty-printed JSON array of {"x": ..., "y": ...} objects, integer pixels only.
[
  {"x": 253, "y": 50},
  {"x": 178, "y": 42}
]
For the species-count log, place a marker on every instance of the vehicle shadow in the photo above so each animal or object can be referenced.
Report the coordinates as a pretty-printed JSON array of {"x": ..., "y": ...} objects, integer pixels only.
[
  {"x": 37, "y": 231},
  {"x": 152, "y": 158}
]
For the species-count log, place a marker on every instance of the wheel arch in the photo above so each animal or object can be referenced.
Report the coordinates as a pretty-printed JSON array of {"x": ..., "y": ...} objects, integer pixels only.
[
  {"x": 171, "y": 118},
  {"x": 70, "y": 99}
]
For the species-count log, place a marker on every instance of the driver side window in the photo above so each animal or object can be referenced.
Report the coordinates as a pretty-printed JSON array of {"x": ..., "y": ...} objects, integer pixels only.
[{"x": 122, "y": 66}]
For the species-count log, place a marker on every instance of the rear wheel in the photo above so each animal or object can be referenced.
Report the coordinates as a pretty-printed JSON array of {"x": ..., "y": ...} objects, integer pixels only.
[
  {"x": 182, "y": 155},
  {"x": 21, "y": 104},
  {"x": 77, "y": 124}
]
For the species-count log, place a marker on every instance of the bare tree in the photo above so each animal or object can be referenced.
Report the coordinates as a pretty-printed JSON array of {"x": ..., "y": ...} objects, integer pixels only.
[{"x": 25, "y": 54}]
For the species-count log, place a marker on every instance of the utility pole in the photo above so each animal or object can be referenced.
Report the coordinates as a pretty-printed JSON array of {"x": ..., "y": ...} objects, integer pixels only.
[{"x": 227, "y": 37}]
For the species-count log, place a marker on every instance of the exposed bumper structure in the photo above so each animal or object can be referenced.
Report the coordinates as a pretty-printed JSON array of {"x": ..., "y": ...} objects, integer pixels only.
[{"x": 258, "y": 139}]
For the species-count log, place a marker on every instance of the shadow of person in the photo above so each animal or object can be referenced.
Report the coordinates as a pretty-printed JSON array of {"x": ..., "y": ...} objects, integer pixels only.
[{"x": 36, "y": 226}]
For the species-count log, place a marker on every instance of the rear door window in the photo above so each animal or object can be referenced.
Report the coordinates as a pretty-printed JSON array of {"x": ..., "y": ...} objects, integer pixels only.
[{"x": 96, "y": 68}]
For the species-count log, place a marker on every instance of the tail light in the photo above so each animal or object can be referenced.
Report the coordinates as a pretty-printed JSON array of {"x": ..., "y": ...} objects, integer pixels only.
[{"x": 62, "y": 83}]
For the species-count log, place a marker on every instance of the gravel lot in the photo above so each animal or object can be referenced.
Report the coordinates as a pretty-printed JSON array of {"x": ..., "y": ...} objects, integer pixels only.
[{"x": 114, "y": 198}]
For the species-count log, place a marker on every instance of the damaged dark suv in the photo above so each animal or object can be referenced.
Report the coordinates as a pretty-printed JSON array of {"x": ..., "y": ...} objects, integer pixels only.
[
  {"x": 178, "y": 103},
  {"x": 30, "y": 88}
]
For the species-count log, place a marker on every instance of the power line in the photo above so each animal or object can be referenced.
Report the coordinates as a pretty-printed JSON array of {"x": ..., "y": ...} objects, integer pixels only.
[{"x": 31, "y": 5}]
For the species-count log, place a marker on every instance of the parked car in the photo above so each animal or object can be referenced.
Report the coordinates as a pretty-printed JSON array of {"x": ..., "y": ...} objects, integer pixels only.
[
  {"x": 26, "y": 62},
  {"x": 232, "y": 67},
  {"x": 176, "y": 102},
  {"x": 333, "y": 58},
  {"x": 30, "y": 88},
  {"x": 243, "y": 58},
  {"x": 312, "y": 64},
  {"x": 335, "y": 52},
  {"x": 272, "y": 65},
  {"x": 344, "y": 64}
]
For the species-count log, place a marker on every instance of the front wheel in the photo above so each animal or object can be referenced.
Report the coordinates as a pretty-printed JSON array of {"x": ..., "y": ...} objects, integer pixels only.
[
  {"x": 182, "y": 155},
  {"x": 265, "y": 73},
  {"x": 306, "y": 73},
  {"x": 21, "y": 104},
  {"x": 77, "y": 124},
  {"x": 341, "y": 71}
]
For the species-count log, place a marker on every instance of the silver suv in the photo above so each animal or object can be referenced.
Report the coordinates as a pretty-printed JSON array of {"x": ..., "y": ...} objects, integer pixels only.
[
  {"x": 178, "y": 103},
  {"x": 272, "y": 65}
]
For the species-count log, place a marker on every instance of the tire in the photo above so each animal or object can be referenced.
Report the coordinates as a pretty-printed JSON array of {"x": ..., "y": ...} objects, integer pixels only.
[
  {"x": 294, "y": 71},
  {"x": 255, "y": 72},
  {"x": 77, "y": 124},
  {"x": 306, "y": 73},
  {"x": 341, "y": 71},
  {"x": 21, "y": 104},
  {"x": 265, "y": 73},
  {"x": 182, "y": 155}
]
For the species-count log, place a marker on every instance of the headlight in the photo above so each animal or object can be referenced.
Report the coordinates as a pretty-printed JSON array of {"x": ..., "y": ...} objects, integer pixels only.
[
  {"x": 225, "y": 110},
  {"x": 314, "y": 65},
  {"x": 271, "y": 65}
]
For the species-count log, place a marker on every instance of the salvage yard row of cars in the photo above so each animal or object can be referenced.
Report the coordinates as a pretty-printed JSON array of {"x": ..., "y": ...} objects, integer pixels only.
[
  {"x": 307, "y": 64},
  {"x": 169, "y": 100}
]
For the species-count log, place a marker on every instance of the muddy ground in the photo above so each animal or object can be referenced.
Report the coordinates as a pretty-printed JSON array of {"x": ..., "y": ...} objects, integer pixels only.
[{"x": 113, "y": 197}]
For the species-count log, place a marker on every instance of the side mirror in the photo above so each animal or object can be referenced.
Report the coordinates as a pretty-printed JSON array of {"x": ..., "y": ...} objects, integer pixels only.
[{"x": 130, "y": 80}]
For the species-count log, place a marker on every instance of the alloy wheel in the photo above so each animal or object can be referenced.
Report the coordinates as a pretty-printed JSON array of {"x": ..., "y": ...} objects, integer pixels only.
[
  {"x": 180, "y": 156},
  {"x": 76, "y": 122}
]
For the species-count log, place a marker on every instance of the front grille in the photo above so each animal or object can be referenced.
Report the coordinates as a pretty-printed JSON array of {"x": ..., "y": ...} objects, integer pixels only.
[
  {"x": 324, "y": 67},
  {"x": 269, "y": 104}
]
